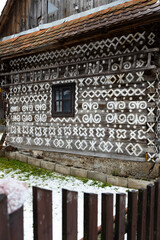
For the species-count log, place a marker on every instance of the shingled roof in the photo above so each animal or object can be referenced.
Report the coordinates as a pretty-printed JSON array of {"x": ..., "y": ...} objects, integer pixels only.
[{"x": 131, "y": 10}]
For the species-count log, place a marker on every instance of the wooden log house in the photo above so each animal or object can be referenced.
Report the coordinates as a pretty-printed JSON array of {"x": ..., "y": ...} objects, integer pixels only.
[
  {"x": 19, "y": 16},
  {"x": 87, "y": 85}
]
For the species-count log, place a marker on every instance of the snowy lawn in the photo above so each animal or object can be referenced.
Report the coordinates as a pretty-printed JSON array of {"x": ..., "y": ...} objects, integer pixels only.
[{"x": 34, "y": 176}]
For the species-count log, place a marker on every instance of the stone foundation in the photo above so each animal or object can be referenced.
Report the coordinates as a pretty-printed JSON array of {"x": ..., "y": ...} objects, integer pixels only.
[
  {"x": 112, "y": 171},
  {"x": 139, "y": 170}
]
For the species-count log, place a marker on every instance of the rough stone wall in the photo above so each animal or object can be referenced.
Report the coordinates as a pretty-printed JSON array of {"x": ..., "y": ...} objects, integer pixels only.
[
  {"x": 90, "y": 167},
  {"x": 115, "y": 99}
]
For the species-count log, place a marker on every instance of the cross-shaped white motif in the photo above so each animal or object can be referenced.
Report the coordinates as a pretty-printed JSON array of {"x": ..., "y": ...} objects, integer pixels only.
[
  {"x": 151, "y": 84},
  {"x": 67, "y": 131},
  {"x": 47, "y": 141},
  {"x": 7, "y": 96},
  {"x": 151, "y": 111},
  {"x": 60, "y": 131},
  {"x": 13, "y": 139},
  {"x": 111, "y": 133},
  {"x": 151, "y": 97},
  {"x": 150, "y": 127},
  {"x": 19, "y": 130},
  {"x": 121, "y": 133},
  {"x": 41, "y": 87},
  {"x": 81, "y": 84},
  {"x": 29, "y": 88},
  {"x": 120, "y": 80},
  {"x": 133, "y": 134},
  {"x": 92, "y": 147},
  {"x": 31, "y": 130},
  {"x": 91, "y": 132},
  {"x": 45, "y": 131},
  {"x": 69, "y": 144},
  {"x": 28, "y": 141},
  {"x": 95, "y": 81},
  {"x": 75, "y": 131},
  {"x": 150, "y": 142},
  {"x": 140, "y": 76},
  {"x": 151, "y": 157},
  {"x": 100, "y": 132},
  {"x": 119, "y": 147}
]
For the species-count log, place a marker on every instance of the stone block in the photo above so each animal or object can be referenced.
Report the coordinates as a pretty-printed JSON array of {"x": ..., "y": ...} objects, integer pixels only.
[
  {"x": 10, "y": 155},
  {"x": 37, "y": 153},
  {"x": 79, "y": 172},
  {"x": 62, "y": 169},
  {"x": 137, "y": 184},
  {"x": 48, "y": 165},
  {"x": 34, "y": 161},
  {"x": 97, "y": 176},
  {"x": 21, "y": 157},
  {"x": 117, "y": 181}
]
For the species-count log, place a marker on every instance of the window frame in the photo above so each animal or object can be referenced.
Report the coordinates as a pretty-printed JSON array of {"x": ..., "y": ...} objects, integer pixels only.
[{"x": 63, "y": 87}]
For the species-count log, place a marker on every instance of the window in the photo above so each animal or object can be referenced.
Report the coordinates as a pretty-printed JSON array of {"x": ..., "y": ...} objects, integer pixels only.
[{"x": 63, "y": 100}]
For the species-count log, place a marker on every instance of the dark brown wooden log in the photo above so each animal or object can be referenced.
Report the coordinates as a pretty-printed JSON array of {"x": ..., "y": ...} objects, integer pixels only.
[
  {"x": 120, "y": 217},
  {"x": 141, "y": 223},
  {"x": 16, "y": 225},
  {"x": 4, "y": 219},
  {"x": 69, "y": 215},
  {"x": 107, "y": 217},
  {"x": 132, "y": 215},
  {"x": 42, "y": 214},
  {"x": 150, "y": 212},
  {"x": 90, "y": 216},
  {"x": 157, "y": 211}
]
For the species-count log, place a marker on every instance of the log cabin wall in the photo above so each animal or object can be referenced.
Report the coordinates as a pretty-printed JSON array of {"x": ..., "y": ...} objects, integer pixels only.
[
  {"x": 116, "y": 98},
  {"x": 27, "y": 14}
]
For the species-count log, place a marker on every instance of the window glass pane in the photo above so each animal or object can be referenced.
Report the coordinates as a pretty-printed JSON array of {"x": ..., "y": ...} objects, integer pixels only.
[
  {"x": 67, "y": 106},
  {"x": 67, "y": 94},
  {"x": 59, "y": 106},
  {"x": 59, "y": 94},
  {"x": 63, "y": 97}
]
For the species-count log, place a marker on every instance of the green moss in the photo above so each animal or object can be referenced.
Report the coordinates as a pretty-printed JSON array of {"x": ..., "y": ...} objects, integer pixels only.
[
  {"x": 94, "y": 182},
  {"x": 23, "y": 168},
  {"x": 7, "y": 166}
]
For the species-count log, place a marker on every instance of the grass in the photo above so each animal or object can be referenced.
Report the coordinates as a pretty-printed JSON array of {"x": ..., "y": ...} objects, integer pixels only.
[{"x": 8, "y": 166}]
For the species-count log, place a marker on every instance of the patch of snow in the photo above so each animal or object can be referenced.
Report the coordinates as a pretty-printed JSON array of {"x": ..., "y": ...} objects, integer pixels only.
[
  {"x": 56, "y": 184},
  {"x": 15, "y": 191}
]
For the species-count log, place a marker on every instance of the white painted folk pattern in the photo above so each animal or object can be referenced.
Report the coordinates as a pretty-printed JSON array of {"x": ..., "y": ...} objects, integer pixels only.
[{"x": 100, "y": 101}]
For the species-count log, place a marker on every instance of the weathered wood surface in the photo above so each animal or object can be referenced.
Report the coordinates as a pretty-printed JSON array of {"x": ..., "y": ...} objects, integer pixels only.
[
  {"x": 120, "y": 216},
  {"x": 42, "y": 214},
  {"x": 26, "y": 14},
  {"x": 16, "y": 225},
  {"x": 69, "y": 215},
  {"x": 137, "y": 226},
  {"x": 90, "y": 216},
  {"x": 115, "y": 98},
  {"x": 132, "y": 215},
  {"x": 4, "y": 218},
  {"x": 157, "y": 211},
  {"x": 141, "y": 220},
  {"x": 107, "y": 217}
]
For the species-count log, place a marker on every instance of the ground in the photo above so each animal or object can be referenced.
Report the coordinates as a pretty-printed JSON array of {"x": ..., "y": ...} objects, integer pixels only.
[{"x": 34, "y": 176}]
